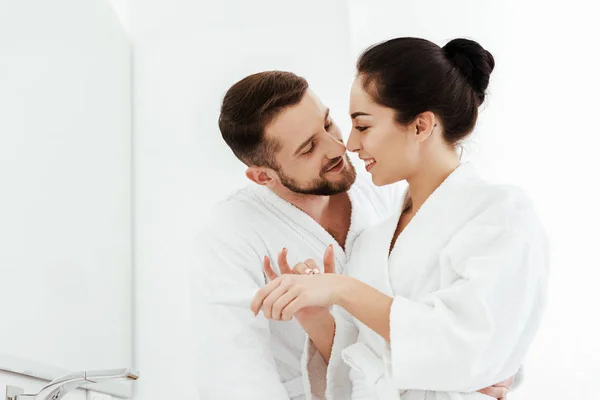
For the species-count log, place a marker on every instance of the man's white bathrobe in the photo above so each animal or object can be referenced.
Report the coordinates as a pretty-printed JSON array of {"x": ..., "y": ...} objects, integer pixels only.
[
  {"x": 238, "y": 355},
  {"x": 468, "y": 276}
]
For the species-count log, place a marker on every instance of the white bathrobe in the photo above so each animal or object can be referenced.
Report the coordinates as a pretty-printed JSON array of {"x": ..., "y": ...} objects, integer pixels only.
[
  {"x": 468, "y": 276},
  {"x": 238, "y": 355}
]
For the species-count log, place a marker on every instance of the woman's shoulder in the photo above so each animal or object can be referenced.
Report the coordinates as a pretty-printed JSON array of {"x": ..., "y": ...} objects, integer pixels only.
[
  {"x": 501, "y": 195},
  {"x": 503, "y": 205}
]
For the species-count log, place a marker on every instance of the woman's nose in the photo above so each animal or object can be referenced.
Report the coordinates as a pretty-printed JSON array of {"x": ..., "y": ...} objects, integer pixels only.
[{"x": 353, "y": 143}]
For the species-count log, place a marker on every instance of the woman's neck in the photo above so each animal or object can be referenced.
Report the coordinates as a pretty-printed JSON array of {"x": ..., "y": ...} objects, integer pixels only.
[{"x": 429, "y": 177}]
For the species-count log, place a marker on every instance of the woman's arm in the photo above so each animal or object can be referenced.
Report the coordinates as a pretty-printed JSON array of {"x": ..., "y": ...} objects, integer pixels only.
[{"x": 365, "y": 303}]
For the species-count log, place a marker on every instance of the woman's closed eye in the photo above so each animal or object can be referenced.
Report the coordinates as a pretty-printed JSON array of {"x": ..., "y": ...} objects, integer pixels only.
[{"x": 361, "y": 128}]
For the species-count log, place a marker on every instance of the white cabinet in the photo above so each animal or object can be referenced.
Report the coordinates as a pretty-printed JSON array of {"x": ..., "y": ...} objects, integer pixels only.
[{"x": 65, "y": 188}]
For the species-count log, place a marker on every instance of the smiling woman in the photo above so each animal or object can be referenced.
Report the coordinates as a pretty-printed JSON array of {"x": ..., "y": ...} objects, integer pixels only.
[{"x": 522, "y": 138}]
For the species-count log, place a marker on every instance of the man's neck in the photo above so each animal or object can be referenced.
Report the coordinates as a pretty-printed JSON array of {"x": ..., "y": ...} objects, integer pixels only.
[
  {"x": 333, "y": 213},
  {"x": 317, "y": 207}
]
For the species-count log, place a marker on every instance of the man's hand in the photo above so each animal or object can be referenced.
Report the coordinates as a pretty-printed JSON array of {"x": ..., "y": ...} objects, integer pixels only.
[{"x": 499, "y": 390}]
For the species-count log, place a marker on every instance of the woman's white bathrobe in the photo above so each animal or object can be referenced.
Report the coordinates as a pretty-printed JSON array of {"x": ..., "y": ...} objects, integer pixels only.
[{"x": 468, "y": 276}]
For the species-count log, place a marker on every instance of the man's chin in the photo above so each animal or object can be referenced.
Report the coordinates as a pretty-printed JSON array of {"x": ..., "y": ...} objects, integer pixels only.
[
  {"x": 341, "y": 186},
  {"x": 329, "y": 187}
]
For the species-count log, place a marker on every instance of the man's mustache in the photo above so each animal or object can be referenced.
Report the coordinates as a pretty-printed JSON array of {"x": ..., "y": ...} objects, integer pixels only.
[{"x": 332, "y": 163}]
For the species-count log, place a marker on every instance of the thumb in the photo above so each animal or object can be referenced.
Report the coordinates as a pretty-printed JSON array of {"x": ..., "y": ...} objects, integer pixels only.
[
  {"x": 284, "y": 266},
  {"x": 329, "y": 261}
]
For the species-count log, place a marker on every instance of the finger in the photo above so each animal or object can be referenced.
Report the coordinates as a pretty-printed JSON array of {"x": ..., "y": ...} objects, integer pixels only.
[
  {"x": 495, "y": 392},
  {"x": 267, "y": 306},
  {"x": 292, "y": 308},
  {"x": 271, "y": 274},
  {"x": 284, "y": 267},
  {"x": 329, "y": 261},
  {"x": 262, "y": 294},
  {"x": 312, "y": 265},
  {"x": 300, "y": 269},
  {"x": 282, "y": 302}
]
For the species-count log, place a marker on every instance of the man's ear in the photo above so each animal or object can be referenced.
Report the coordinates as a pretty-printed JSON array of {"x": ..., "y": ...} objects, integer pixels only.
[{"x": 261, "y": 175}]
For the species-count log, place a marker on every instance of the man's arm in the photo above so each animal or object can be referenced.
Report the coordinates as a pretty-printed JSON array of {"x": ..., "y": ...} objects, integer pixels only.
[{"x": 232, "y": 352}]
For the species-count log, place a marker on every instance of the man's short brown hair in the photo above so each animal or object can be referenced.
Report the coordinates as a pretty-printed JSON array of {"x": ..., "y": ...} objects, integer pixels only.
[{"x": 250, "y": 105}]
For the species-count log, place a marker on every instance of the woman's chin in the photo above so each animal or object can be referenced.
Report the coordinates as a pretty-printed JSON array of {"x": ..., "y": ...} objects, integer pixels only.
[{"x": 377, "y": 181}]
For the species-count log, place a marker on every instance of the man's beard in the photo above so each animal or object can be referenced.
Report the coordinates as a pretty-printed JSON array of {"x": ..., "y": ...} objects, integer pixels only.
[{"x": 321, "y": 186}]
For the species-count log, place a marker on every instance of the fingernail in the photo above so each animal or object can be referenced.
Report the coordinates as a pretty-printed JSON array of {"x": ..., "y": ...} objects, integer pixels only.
[
  {"x": 307, "y": 271},
  {"x": 316, "y": 271}
]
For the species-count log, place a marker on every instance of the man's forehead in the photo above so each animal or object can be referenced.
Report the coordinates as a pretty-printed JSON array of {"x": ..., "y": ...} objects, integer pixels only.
[{"x": 297, "y": 122}]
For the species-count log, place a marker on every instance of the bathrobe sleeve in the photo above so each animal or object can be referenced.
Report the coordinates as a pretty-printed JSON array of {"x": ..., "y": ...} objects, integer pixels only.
[
  {"x": 232, "y": 354},
  {"x": 331, "y": 381},
  {"x": 474, "y": 331}
]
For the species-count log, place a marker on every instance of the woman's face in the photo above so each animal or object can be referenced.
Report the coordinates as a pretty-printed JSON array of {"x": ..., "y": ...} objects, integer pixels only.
[{"x": 390, "y": 150}]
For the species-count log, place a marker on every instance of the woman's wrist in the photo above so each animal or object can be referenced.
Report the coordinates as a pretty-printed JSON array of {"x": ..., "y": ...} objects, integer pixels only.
[
  {"x": 344, "y": 290},
  {"x": 312, "y": 315}
]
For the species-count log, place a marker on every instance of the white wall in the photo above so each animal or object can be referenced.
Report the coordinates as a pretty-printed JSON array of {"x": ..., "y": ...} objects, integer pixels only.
[
  {"x": 538, "y": 130},
  {"x": 187, "y": 53},
  {"x": 123, "y": 10},
  {"x": 65, "y": 230}
]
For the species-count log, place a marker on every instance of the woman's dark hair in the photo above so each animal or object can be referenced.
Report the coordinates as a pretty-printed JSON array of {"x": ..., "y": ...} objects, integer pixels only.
[{"x": 412, "y": 75}]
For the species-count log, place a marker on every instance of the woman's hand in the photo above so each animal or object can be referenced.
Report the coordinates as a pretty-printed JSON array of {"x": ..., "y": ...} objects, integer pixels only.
[
  {"x": 308, "y": 267},
  {"x": 292, "y": 294}
]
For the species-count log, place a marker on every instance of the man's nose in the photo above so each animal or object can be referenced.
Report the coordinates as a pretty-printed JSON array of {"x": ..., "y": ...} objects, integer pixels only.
[{"x": 336, "y": 148}]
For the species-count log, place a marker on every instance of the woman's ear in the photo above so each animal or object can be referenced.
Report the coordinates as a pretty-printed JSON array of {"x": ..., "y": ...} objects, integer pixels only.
[{"x": 424, "y": 125}]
